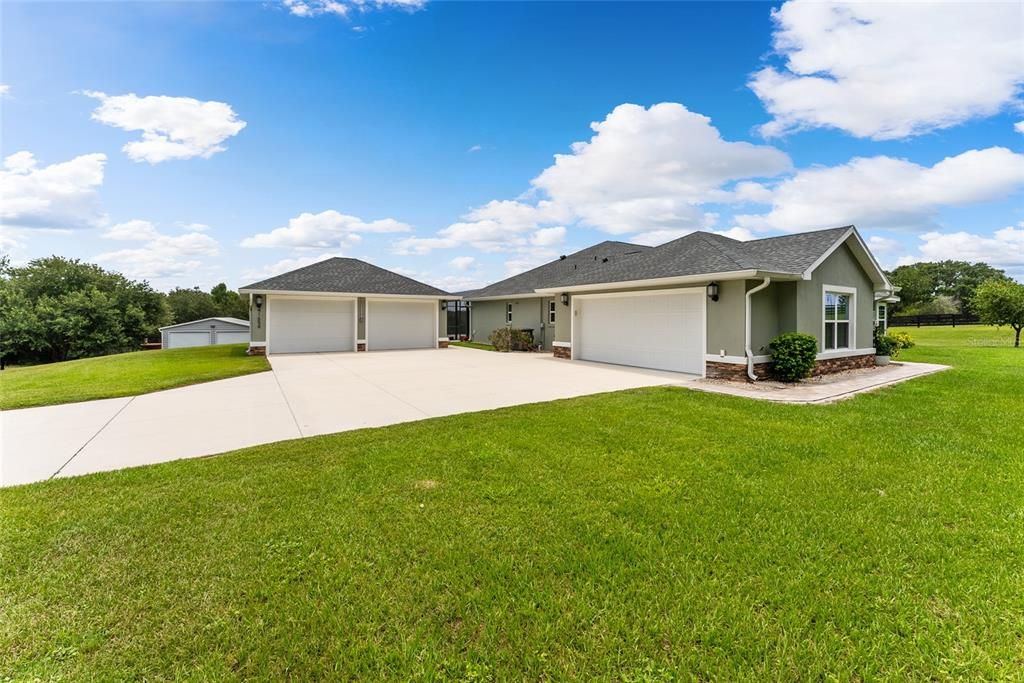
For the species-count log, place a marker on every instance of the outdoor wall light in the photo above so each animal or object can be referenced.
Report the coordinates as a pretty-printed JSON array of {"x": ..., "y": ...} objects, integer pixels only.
[
  {"x": 565, "y": 299},
  {"x": 444, "y": 305},
  {"x": 713, "y": 291},
  {"x": 258, "y": 300}
]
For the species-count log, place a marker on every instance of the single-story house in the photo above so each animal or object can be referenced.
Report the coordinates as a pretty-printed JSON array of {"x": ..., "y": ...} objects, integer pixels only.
[
  {"x": 706, "y": 304},
  {"x": 205, "y": 332},
  {"x": 514, "y": 302},
  {"x": 344, "y": 304}
]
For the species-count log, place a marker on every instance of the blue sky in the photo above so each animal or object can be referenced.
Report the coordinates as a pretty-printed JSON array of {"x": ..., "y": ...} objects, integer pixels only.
[{"x": 423, "y": 137}]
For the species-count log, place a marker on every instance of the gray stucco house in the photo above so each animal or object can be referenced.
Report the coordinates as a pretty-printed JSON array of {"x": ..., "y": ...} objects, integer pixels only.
[
  {"x": 344, "y": 304},
  {"x": 204, "y": 332},
  {"x": 702, "y": 304}
]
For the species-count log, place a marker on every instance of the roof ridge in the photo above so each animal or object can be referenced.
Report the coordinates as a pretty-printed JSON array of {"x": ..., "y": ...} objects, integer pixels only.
[
  {"x": 803, "y": 232},
  {"x": 728, "y": 253}
]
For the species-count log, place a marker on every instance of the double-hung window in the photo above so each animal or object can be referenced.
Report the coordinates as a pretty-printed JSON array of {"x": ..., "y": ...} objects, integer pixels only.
[
  {"x": 508, "y": 314},
  {"x": 881, "y": 318},
  {"x": 838, "y": 325},
  {"x": 551, "y": 312}
]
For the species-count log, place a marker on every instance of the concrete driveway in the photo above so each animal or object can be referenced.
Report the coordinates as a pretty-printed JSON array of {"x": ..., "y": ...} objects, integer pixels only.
[{"x": 304, "y": 395}]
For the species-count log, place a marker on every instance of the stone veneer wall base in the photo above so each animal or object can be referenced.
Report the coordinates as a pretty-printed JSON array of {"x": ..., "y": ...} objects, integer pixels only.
[
  {"x": 442, "y": 344},
  {"x": 738, "y": 372},
  {"x": 562, "y": 352},
  {"x": 256, "y": 351}
]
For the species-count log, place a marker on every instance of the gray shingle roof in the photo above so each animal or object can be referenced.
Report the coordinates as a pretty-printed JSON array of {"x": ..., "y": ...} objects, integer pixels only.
[
  {"x": 346, "y": 275},
  {"x": 700, "y": 252},
  {"x": 554, "y": 273}
]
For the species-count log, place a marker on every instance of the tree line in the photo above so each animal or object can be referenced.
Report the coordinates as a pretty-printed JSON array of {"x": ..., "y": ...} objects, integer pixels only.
[{"x": 54, "y": 309}]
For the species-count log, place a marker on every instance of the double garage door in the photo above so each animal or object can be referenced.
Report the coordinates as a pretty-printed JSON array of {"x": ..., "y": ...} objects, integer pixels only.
[
  {"x": 180, "y": 340},
  {"x": 662, "y": 330},
  {"x": 298, "y": 325}
]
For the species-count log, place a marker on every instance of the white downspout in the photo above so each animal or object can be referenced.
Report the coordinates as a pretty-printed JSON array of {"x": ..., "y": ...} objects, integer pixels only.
[{"x": 746, "y": 339}]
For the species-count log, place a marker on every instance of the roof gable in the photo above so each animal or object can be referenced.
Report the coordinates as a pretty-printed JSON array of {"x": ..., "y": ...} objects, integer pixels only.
[{"x": 345, "y": 275}]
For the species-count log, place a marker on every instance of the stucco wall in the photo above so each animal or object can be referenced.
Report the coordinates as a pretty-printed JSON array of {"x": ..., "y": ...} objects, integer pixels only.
[
  {"x": 841, "y": 268},
  {"x": 529, "y": 314}
]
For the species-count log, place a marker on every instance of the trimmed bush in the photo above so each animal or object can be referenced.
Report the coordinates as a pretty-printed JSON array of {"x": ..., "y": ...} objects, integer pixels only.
[
  {"x": 902, "y": 339},
  {"x": 508, "y": 339},
  {"x": 793, "y": 355}
]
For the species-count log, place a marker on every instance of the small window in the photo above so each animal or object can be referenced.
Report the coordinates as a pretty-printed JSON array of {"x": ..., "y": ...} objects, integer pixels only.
[
  {"x": 508, "y": 313},
  {"x": 882, "y": 318},
  {"x": 837, "y": 320},
  {"x": 551, "y": 312}
]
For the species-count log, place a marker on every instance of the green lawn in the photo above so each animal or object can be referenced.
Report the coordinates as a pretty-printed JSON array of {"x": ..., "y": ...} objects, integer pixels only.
[
  {"x": 472, "y": 345},
  {"x": 124, "y": 374},
  {"x": 640, "y": 535}
]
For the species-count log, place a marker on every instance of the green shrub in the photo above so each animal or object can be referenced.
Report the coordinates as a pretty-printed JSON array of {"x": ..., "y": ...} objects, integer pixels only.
[
  {"x": 508, "y": 339},
  {"x": 903, "y": 339},
  {"x": 885, "y": 345},
  {"x": 793, "y": 355}
]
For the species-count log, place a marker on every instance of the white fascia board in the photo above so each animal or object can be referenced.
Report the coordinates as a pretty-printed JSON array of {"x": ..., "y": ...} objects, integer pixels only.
[
  {"x": 562, "y": 345},
  {"x": 506, "y": 297},
  {"x": 353, "y": 295},
  {"x": 861, "y": 252},
  {"x": 665, "y": 281},
  {"x": 203, "y": 320}
]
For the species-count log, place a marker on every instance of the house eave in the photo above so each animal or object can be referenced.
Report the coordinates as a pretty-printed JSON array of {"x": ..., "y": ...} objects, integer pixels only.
[
  {"x": 351, "y": 295},
  {"x": 670, "y": 281},
  {"x": 503, "y": 297}
]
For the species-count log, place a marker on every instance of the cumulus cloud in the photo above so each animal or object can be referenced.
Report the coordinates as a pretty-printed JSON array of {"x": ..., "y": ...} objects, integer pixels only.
[
  {"x": 323, "y": 230},
  {"x": 1019, "y": 126},
  {"x": 1004, "y": 248},
  {"x": 4, "y": 89},
  {"x": 884, "y": 192},
  {"x": 343, "y": 8},
  {"x": 172, "y": 127},
  {"x": 193, "y": 227},
  {"x": 887, "y": 70},
  {"x": 462, "y": 263},
  {"x": 645, "y": 170},
  {"x": 61, "y": 195},
  {"x": 160, "y": 255},
  {"x": 133, "y": 230}
]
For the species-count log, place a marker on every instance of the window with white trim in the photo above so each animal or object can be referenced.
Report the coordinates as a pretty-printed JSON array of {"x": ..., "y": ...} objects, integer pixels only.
[
  {"x": 882, "y": 318},
  {"x": 508, "y": 313},
  {"x": 838, "y": 307},
  {"x": 551, "y": 312}
]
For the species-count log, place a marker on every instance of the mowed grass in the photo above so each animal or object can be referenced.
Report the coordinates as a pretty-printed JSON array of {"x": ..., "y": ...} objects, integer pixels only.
[
  {"x": 472, "y": 345},
  {"x": 124, "y": 374},
  {"x": 655, "y": 534}
]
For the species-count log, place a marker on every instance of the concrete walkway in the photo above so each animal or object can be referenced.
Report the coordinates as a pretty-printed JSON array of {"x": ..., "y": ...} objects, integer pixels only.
[
  {"x": 825, "y": 389},
  {"x": 304, "y": 395}
]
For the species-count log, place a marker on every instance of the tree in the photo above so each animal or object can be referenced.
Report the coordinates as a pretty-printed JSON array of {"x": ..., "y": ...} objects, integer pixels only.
[
  {"x": 1001, "y": 302},
  {"x": 921, "y": 283},
  {"x": 57, "y": 309},
  {"x": 195, "y": 304}
]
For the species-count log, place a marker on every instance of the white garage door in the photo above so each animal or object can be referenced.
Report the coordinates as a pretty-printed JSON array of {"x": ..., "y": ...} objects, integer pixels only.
[
  {"x": 401, "y": 324},
  {"x": 310, "y": 325},
  {"x": 659, "y": 331},
  {"x": 179, "y": 340},
  {"x": 232, "y": 337}
]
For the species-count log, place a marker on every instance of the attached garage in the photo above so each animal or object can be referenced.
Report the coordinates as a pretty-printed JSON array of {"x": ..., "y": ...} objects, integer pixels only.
[
  {"x": 661, "y": 330},
  {"x": 393, "y": 324},
  {"x": 310, "y": 325}
]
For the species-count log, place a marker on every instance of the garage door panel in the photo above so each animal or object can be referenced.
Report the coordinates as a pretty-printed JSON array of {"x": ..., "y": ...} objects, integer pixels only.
[
  {"x": 232, "y": 337},
  {"x": 311, "y": 325},
  {"x": 393, "y": 325},
  {"x": 662, "y": 331},
  {"x": 181, "y": 340}
]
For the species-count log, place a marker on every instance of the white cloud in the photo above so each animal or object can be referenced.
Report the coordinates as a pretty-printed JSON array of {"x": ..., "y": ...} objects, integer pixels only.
[
  {"x": 162, "y": 256},
  {"x": 133, "y": 230},
  {"x": 1003, "y": 249},
  {"x": 61, "y": 195},
  {"x": 883, "y": 246},
  {"x": 475, "y": 148},
  {"x": 888, "y": 70},
  {"x": 342, "y": 8},
  {"x": 1019, "y": 126},
  {"x": 548, "y": 237},
  {"x": 323, "y": 230},
  {"x": 172, "y": 127},
  {"x": 883, "y": 192},
  {"x": 193, "y": 227},
  {"x": 286, "y": 265},
  {"x": 462, "y": 263},
  {"x": 644, "y": 170},
  {"x": 4, "y": 90},
  {"x": 651, "y": 169}
]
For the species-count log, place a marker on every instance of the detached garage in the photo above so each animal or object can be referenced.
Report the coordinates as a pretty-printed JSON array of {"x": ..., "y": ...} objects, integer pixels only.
[
  {"x": 344, "y": 304},
  {"x": 662, "y": 330},
  {"x": 205, "y": 332}
]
